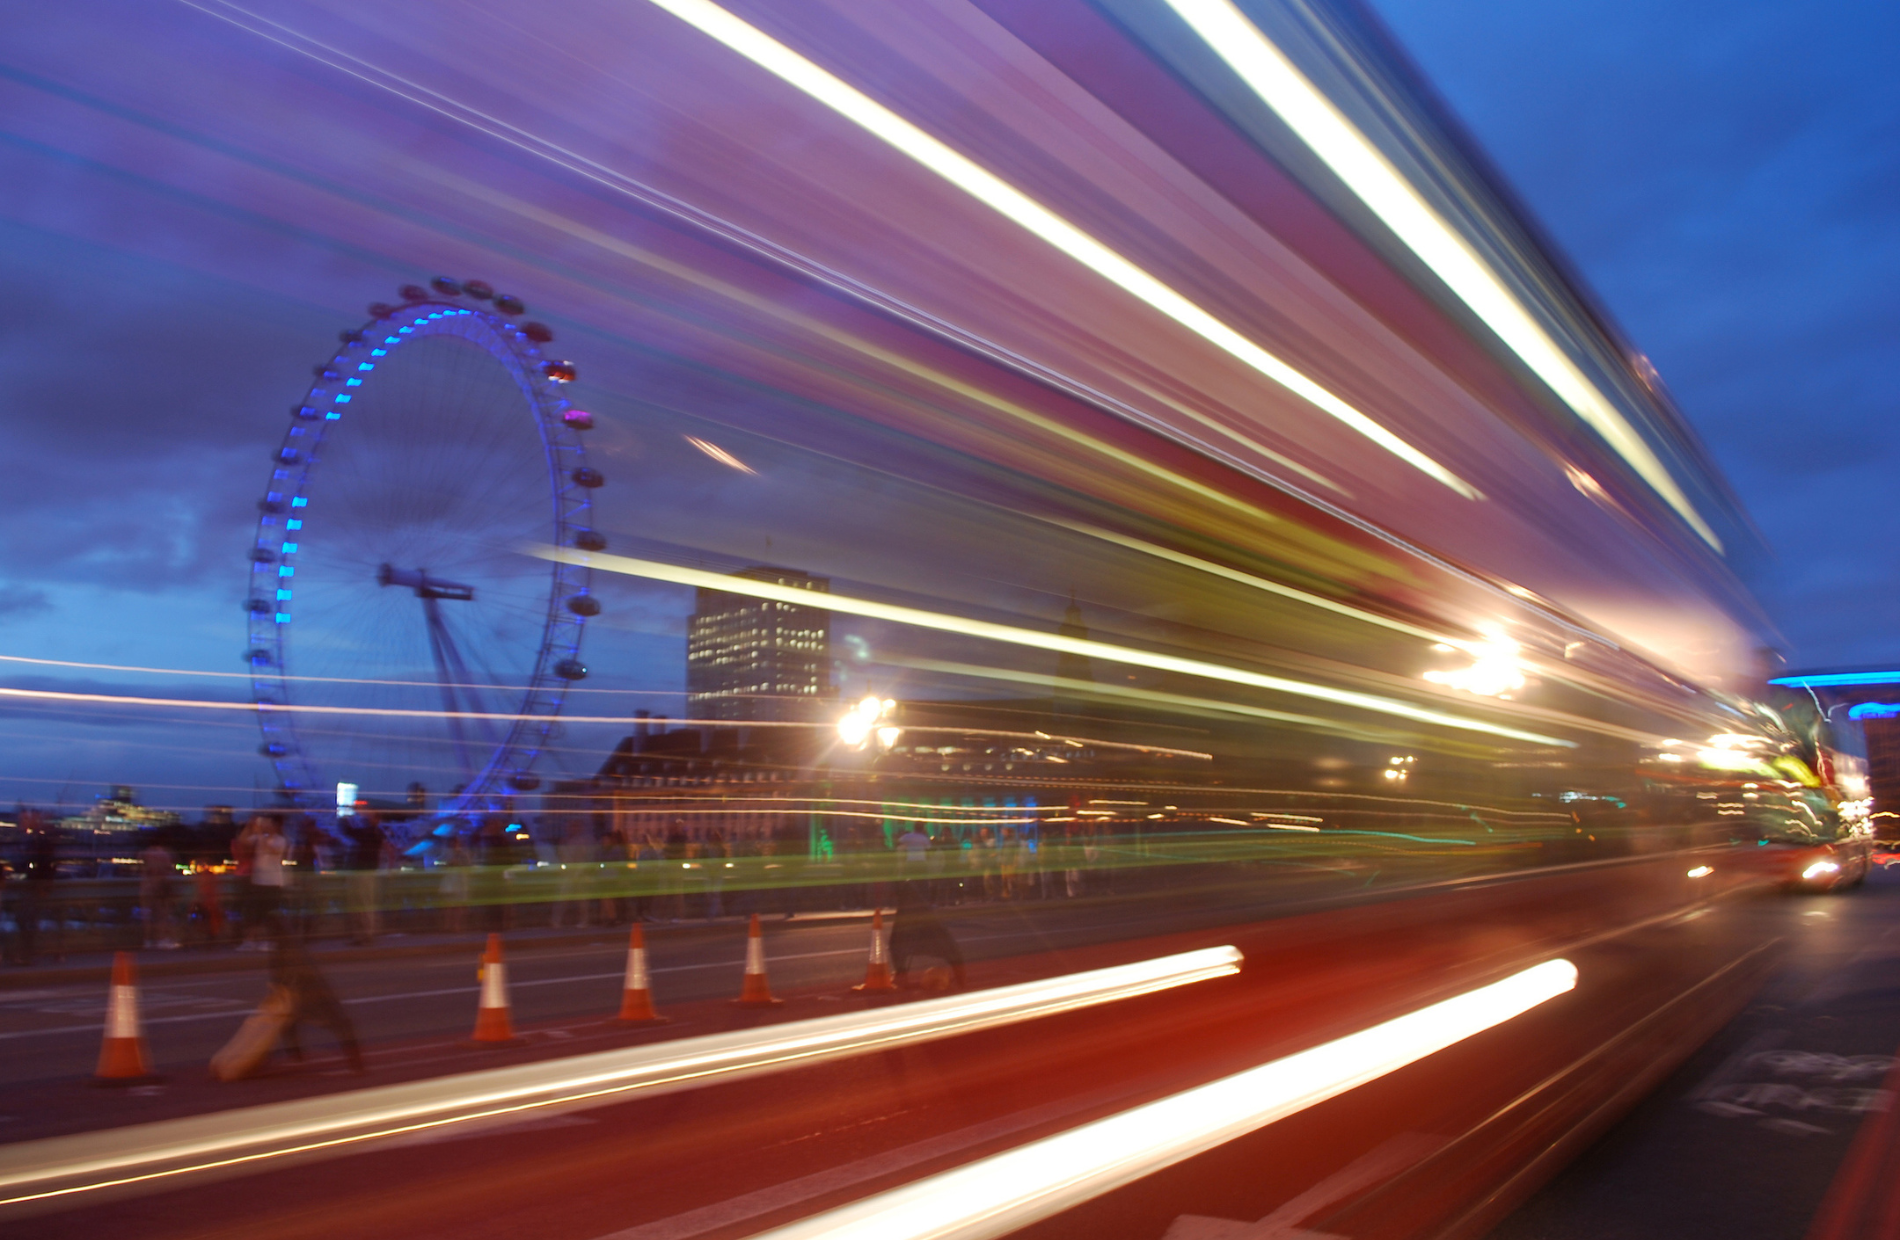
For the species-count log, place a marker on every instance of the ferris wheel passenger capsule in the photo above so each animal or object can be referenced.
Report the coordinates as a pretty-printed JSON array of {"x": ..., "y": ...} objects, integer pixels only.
[
  {"x": 588, "y": 477},
  {"x": 509, "y": 304},
  {"x": 478, "y": 289},
  {"x": 540, "y": 333},
  {"x": 413, "y": 292},
  {"x": 571, "y": 669},
  {"x": 560, "y": 372},
  {"x": 446, "y": 286},
  {"x": 578, "y": 420},
  {"x": 380, "y": 309},
  {"x": 257, "y": 656},
  {"x": 584, "y": 605},
  {"x": 591, "y": 540}
]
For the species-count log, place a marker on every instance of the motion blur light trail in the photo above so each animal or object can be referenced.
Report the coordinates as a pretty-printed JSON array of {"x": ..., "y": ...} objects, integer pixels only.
[
  {"x": 1378, "y": 184},
  {"x": 993, "y": 191},
  {"x": 119, "y": 1158},
  {"x": 997, "y": 1195},
  {"x": 1014, "y": 635}
]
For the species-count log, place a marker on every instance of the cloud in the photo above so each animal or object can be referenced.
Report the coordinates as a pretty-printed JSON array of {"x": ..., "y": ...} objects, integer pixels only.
[{"x": 23, "y": 601}]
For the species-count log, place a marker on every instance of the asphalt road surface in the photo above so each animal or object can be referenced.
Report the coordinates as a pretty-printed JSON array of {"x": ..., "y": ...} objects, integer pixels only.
[{"x": 1745, "y": 1139}]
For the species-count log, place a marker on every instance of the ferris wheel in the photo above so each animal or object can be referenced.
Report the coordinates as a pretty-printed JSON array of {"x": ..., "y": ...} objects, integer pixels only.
[{"x": 401, "y": 639}]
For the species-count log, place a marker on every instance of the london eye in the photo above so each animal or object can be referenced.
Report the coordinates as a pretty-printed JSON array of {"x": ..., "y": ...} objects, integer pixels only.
[{"x": 400, "y": 641}]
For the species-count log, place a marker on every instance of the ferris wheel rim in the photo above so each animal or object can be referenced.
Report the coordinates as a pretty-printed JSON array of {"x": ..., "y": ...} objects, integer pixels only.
[{"x": 270, "y": 603}]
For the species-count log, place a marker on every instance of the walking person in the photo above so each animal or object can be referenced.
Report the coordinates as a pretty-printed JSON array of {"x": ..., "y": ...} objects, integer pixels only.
[
  {"x": 268, "y": 851},
  {"x": 37, "y": 895},
  {"x": 243, "y": 854},
  {"x": 577, "y": 857},
  {"x": 648, "y": 863},
  {"x": 917, "y": 931},
  {"x": 455, "y": 864},
  {"x": 714, "y": 855},
  {"x": 157, "y": 870},
  {"x": 311, "y": 999},
  {"x": 364, "y": 862}
]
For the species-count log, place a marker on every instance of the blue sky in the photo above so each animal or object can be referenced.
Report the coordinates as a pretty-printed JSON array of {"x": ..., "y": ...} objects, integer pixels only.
[{"x": 1726, "y": 176}]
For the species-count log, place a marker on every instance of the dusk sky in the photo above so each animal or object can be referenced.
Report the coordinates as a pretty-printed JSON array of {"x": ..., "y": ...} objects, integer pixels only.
[{"x": 1726, "y": 178}]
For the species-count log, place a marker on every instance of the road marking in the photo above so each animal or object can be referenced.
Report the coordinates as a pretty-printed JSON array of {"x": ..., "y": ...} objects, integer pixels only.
[{"x": 1403, "y": 1151}]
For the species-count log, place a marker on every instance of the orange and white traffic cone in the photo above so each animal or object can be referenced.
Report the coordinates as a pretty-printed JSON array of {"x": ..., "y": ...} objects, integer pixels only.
[
  {"x": 492, "y": 1024},
  {"x": 122, "y": 1056},
  {"x": 636, "y": 998},
  {"x": 877, "y": 973},
  {"x": 754, "y": 992}
]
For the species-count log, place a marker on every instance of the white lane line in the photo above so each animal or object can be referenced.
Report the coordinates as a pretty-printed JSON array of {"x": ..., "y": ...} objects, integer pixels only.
[
  {"x": 162, "y": 1153},
  {"x": 1005, "y": 1192},
  {"x": 734, "y": 965}
]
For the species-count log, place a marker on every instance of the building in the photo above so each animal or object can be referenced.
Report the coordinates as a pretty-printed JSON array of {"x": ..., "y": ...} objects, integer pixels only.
[
  {"x": 750, "y": 658},
  {"x": 119, "y": 813}
]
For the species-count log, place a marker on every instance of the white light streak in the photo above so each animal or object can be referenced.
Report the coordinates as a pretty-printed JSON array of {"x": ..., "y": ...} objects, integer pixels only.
[
  {"x": 986, "y": 187},
  {"x": 719, "y": 454},
  {"x": 1003, "y": 1193},
  {"x": 1036, "y": 639},
  {"x": 1337, "y": 142},
  {"x": 1702, "y": 871},
  {"x": 165, "y": 1151}
]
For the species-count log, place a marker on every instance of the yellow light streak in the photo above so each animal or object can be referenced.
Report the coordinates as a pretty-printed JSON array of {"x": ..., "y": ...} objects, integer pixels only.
[
  {"x": 296, "y": 708},
  {"x": 991, "y": 190},
  {"x": 1015, "y": 635},
  {"x": 1357, "y": 162},
  {"x": 1258, "y": 583}
]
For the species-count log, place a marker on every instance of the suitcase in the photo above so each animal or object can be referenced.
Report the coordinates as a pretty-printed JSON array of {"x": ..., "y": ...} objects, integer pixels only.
[{"x": 252, "y": 1044}]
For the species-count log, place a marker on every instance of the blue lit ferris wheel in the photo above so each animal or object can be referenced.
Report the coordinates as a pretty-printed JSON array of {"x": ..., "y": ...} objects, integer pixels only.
[{"x": 402, "y": 637}]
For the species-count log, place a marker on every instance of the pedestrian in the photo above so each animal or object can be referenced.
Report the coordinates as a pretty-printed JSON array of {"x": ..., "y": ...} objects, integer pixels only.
[
  {"x": 455, "y": 863},
  {"x": 917, "y": 931},
  {"x": 364, "y": 862},
  {"x": 577, "y": 857},
  {"x": 311, "y": 999},
  {"x": 157, "y": 870},
  {"x": 713, "y": 857},
  {"x": 243, "y": 854},
  {"x": 983, "y": 858},
  {"x": 943, "y": 847},
  {"x": 673, "y": 902},
  {"x": 268, "y": 850},
  {"x": 648, "y": 863},
  {"x": 206, "y": 902},
  {"x": 37, "y": 895}
]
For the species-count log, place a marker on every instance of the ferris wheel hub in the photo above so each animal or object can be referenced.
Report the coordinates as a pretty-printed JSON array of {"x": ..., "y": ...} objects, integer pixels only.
[{"x": 425, "y": 586}]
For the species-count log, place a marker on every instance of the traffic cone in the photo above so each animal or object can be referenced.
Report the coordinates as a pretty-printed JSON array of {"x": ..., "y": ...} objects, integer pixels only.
[
  {"x": 754, "y": 992},
  {"x": 877, "y": 973},
  {"x": 122, "y": 1056},
  {"x": 636, "y": 998},
  {"x": 492, "y": 1024}
]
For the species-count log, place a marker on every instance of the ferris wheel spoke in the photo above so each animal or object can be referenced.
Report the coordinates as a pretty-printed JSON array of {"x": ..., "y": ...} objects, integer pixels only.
[{"x": 435, "y": 466}]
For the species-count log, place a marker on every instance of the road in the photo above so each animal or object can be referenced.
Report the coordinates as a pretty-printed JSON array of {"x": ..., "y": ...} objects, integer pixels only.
[
  {"x": 1745, "y": 1139},
  {"x": 1662, "y": 961}
]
